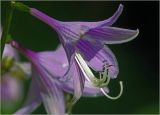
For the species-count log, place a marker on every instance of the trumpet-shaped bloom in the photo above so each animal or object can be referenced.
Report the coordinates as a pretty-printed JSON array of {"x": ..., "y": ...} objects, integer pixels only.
[
  {"x": 48, "y": 67},
  {"x": 84, "y": 43}
]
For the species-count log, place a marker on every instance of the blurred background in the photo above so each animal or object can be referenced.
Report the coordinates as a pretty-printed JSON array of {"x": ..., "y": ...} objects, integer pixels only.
[{"x": 138, "y": 60}]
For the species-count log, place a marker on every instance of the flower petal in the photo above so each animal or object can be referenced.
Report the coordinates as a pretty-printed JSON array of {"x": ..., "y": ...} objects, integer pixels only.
[
  {"x": 44, "y": 18},
  {"x": 111, "y": 35},
  {"x": 112, "y": 19},
  {"x": 105, "y": 55},
  {"x": 11, "y": 88},
  {"x": 88, "y": 49},
  {"x": 55, "y": 63},
  {"x": 78, "y": 82},
  {"x": 41, "y": 59},
  {"x": 51, "y": 93},
  {"x": 33, "y": 99},
  {"x": 54, "y": 101},
  {"x": 10, "y": 52},
  {"x": 91, "y": 91},
  {"x": 96, "y": 54},
  {"x": 69, "y": 49}
]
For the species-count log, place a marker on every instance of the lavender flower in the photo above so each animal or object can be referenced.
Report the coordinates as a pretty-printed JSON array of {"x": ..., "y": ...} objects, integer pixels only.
[
  {"x": 48, "y": 67},
  {"x": 11, "y": 83},
  {"x": 84, "y": 43}
]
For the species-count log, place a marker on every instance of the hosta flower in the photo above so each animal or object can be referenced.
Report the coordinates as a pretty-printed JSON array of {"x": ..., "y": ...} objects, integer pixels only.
[
  {"x": 11, "y": 83},
  {"x": 13, "y": 71},
  {"x": 84, "y": 43},
  {"x": 48, "y": 68}
]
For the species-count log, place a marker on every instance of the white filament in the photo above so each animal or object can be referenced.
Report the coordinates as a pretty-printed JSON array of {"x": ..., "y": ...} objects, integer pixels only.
[
  {"x": 88, "y": 73},
  {"x": 84, "y": 67},
  {"x": 91, "y": 78},
  {"x": 118, "y": 96}
]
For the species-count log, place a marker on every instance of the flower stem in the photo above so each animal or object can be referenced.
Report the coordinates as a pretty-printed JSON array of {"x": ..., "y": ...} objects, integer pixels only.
[
  {"x": 6, "y": 28},
  {"x": 21, "y": 7}
]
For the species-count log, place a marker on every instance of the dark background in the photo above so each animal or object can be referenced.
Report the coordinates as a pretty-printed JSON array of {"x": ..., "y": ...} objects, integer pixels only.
[{"x": 138, "y": 59}]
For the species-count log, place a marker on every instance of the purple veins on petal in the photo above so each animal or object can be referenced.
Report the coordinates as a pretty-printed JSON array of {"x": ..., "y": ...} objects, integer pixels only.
[
  {"x": 88, "y": 49},
  {"x": 49, "y": 89},
  {"x": 88, "y": 38},
  {"x": 78, "y": 82},
  {"x": 111, "y": 35},
  {"x": 113, "y": 18},
  {"x": 83, "y": 43},
  {"x": 105, "y": 55},
  {"x": 96, "y": 54},
  {"x": 44, "y": 18}
]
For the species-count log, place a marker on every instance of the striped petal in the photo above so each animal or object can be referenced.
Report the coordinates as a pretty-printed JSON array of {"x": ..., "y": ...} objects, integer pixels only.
[
  {"x": 111, "y": 35},
  {"x": 51, "y": 93},
  {"x": 113, "y": 18},
  {"x": 88, "y": 49},
  {"x": 96, "y": 54},
  {"x": 44, "y": 18},
  {"x": 78, "y": 82},
  {"x": 105, "y": 55}
]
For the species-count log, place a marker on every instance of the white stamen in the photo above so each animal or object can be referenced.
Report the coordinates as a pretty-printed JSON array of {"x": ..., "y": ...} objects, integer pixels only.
[
  {"x": 118, "y": 96},
  {"x": 88, "y": 73},
  {"x": 93, "y": 80},
  {"x": 82, "y": 64}
]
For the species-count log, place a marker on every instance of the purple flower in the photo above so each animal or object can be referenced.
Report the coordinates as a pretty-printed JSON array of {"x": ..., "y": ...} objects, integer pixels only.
[
  {"x": 48, "y": 67},
  {"x": 84, "y": 43},
  {"x": 11, "y": 83}
]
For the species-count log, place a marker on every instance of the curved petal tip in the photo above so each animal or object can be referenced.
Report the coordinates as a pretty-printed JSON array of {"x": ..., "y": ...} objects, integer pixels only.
[
  {"x": 135, "y": 35},
  {"x": 121, "y": 6}
]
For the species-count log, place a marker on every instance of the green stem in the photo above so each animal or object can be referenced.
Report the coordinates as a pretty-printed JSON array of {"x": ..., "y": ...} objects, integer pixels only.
[{"x": 6, "y": 28}]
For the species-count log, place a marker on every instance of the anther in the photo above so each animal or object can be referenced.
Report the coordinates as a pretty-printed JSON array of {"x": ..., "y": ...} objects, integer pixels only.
[{"x": 105, "y": 79}]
